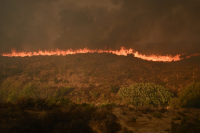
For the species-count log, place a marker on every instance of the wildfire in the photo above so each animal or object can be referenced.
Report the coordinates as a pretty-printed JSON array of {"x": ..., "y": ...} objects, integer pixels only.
[
  {"x": 197, "y": 54},
  {"x": 122, "y": 51}
]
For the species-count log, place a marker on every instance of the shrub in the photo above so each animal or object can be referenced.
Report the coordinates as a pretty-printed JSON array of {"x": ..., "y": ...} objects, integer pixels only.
[
  {"x": 157, "y": 115},
  {"x": 9, "y": 89},
  {"x": 12, "y": 96},
  {"x": 62, "y": 91},
  {"x": 174, "y": 102},
  {"x": 190, "y": 96},
  {"x": 176, "y": 118},
  {"x": 103, "y": 96},
  {"x": 104, "y": 104},
  {"x": 94, "y": 93},
  {"x": 141, "y": 94},
  {"x": 110, "y": 126},
  {"x": 114, "y": 89},
  {"x": 60, "y": 101},
  {"x": 134, "y": 119},
  {"x": 25, "y": 103},
  {"x": 30, "y": 90},
  {"x": 16, "y": 71},
  {"x": 78, "y": 100},
  {"x": 187, "y": 125},
  {"x": 55, "y": 80}
]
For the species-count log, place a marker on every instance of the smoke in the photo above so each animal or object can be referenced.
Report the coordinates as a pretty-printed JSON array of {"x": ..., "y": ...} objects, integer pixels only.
[{"x": 148, "y": 26}]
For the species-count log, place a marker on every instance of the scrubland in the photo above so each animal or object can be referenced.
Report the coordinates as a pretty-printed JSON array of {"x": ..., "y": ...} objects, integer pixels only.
[{"x": 99, "y": 93}]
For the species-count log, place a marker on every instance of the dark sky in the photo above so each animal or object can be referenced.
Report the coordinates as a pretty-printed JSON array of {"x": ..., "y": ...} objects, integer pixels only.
[{"x": 148, "y": 26}]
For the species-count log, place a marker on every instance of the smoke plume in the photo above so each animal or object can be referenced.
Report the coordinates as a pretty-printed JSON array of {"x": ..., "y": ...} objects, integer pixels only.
[{"x": 148, "y": 26}]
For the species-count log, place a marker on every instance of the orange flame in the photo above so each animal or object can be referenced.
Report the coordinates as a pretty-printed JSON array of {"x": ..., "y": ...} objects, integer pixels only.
[
  {"x": 197, "y": 54},
  {"x": 122, "y": 51}
]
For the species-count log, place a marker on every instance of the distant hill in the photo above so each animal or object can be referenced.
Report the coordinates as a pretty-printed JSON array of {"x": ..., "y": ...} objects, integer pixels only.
[{"x": 100, "y": 70}]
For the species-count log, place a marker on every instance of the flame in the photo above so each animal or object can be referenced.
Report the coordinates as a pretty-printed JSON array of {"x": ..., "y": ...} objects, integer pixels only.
[
  {"x": 122, "y": 51},
  {"x": 197, "y": 54}
]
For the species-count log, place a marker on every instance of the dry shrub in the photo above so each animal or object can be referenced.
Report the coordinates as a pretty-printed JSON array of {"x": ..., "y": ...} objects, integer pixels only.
[{"x": 190, "y": 96}]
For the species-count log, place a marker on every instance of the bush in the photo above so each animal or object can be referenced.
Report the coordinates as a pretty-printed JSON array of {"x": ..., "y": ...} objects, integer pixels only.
[
  {"x": 114, "y": 89},
  {"x": 104, "y": 104},
  {"x": 134, "y": 119},
  {"x": 174, "y": 103},
  {"x": 190, "y": 96},
  {"x": 30, "y": 90},
  {"x": 12, "y": 96},
  {"x": 187, "y": 125},
  {"x": 59, "y": 101},
  {"x": 62, "y": 91},
  {"x": 157, "y": 115},
  {"x": 9, "y": 89},
  {"x": 94, "y": 93},
  {"x": 25, "y": 103},
  {"x": 16, "y": 71},
  {"x": 66, "y": 117},
  {"x": 55, "y": 80},
  {"x": 141, "y": 94}
]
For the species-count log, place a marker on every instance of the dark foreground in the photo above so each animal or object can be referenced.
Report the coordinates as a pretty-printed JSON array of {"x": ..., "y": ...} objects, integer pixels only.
[{"x": 28, "y": 115}]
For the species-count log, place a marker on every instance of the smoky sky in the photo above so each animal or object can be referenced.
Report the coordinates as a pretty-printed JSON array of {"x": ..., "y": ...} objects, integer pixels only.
[{"x": 148, "y": 26}]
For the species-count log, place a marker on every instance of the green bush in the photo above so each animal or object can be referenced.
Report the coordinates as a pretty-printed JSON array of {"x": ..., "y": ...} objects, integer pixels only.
[
  {"x": 12, "y": 96},
  {"x": 30, "y": 90},
  {"x": 174, "y": 103},
  {"x": 190, "y": 96},
  {"x": 141, "y": 94},
  {"x": 104, "y": 104},
  {"x": 78, "y": 100},
  {"x": 9, "y": 89},
  {"x": 62, "y": 91}
]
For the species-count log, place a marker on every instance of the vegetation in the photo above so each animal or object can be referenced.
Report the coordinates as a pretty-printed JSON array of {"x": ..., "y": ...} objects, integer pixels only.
[
  {"x": 38, "y": 89},
  {"x": 187, "y": 125},
  {"x": 30, "y": 90},
  {"x": 114, "y": 88},
  {"x": 141, "y": 94},
  {"x": 94, "y": 93},
  {"x": 174, "y": 103},
  {"x": 55, "y": 80},
  {"x": 54, "y": 117},
  {"x": 62, "y": 91},
  {"x": 157, "y": 115},
  {"x": 9, "y": 89},
  {"x": 190, "y": 96},
  {"x": 107, "y": 105},
  {"x": 134, "y": 119}
]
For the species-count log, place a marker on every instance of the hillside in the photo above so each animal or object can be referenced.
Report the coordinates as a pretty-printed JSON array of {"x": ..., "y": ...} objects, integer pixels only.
[
  {"x": 99, "y": 70},
  {"x": 90, "y": 81}
]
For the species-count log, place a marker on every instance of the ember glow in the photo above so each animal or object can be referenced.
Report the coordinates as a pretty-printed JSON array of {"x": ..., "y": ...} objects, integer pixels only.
[{"x": 122, "y": 51}]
